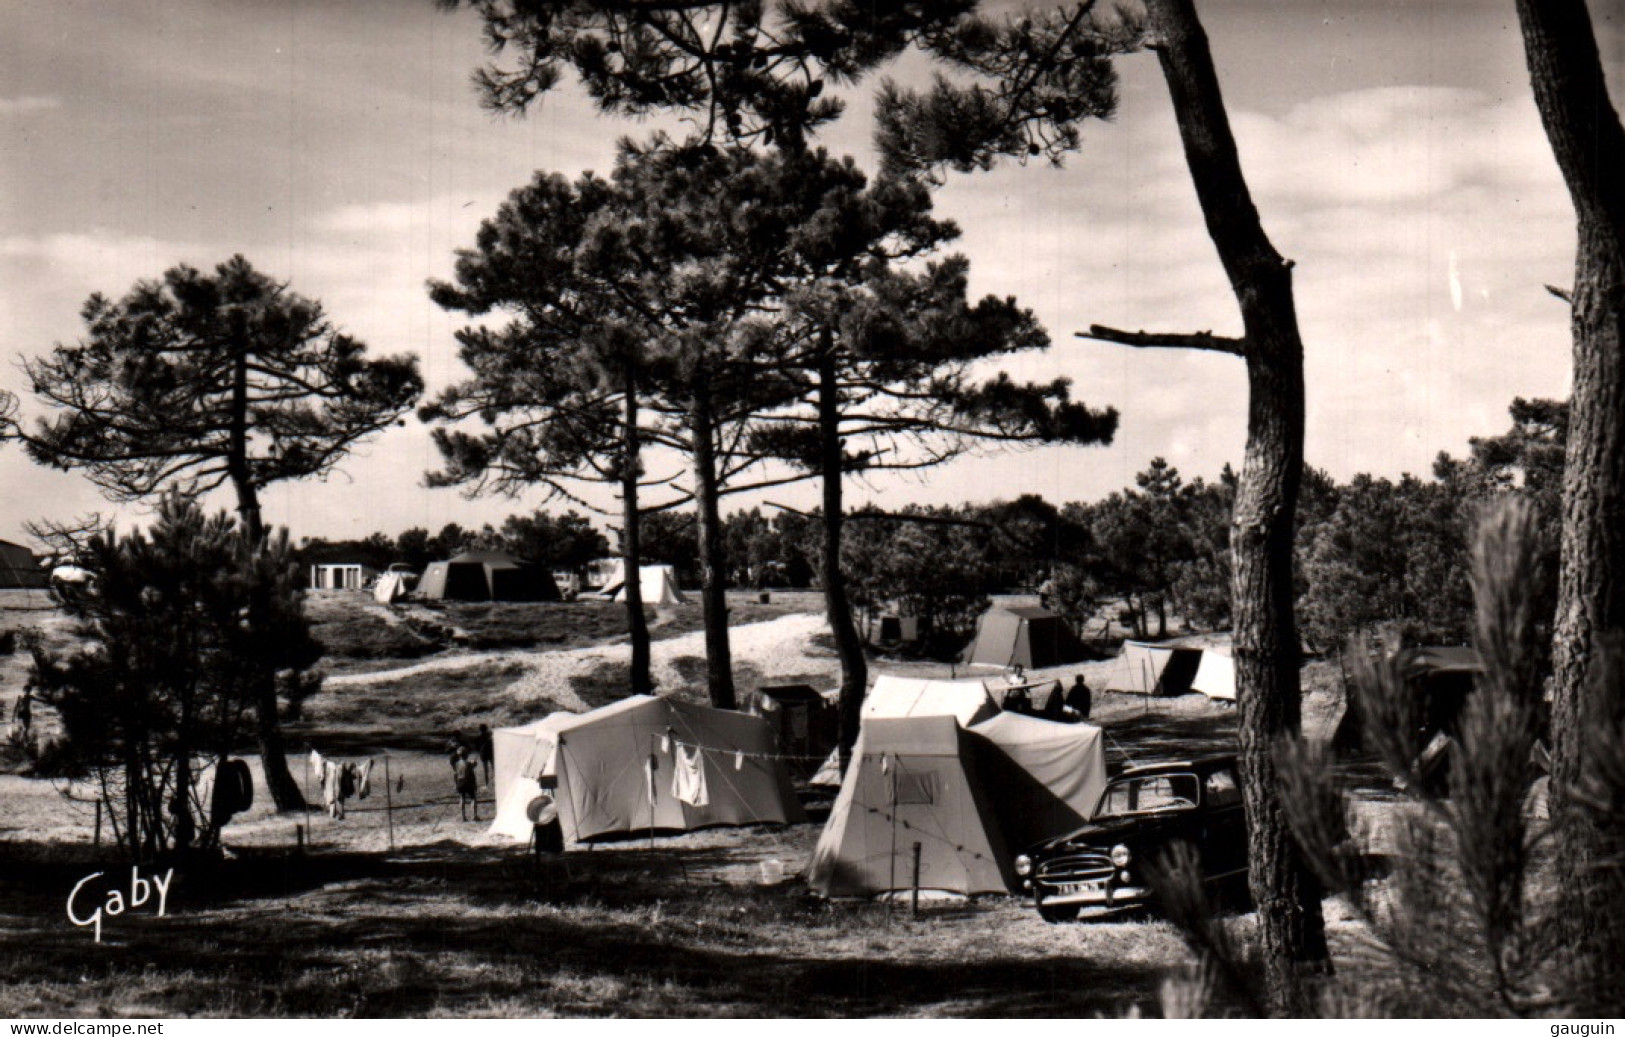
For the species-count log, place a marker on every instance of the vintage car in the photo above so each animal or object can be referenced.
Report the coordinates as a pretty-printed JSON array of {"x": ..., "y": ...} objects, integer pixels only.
[{"x": 1141, "y": 813}]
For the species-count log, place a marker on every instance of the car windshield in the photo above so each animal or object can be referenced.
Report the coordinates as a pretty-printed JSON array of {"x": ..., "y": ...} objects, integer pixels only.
[{"x": 1148, "y": 794}]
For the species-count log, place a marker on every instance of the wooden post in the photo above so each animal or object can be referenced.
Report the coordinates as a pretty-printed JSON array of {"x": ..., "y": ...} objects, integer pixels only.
[
  {"x": 98, "y": 843},
  {"x": 914, "y": 901},
  {"x": 389, "y": 804},
  {"x": 299, "y": 838}
]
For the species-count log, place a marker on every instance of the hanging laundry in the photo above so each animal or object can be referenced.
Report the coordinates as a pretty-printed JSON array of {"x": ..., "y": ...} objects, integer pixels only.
[
  {"x": 688, "y": 783},
  {"x": 650, "y": 766},
  {"x": 363, "y": 780},
  {"x": 665, "y": 742},
  {"x": 739, "y": 760}
]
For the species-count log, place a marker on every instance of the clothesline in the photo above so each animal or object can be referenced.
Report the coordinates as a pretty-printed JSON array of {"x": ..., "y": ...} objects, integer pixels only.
[{"x": 744, "y": 753}]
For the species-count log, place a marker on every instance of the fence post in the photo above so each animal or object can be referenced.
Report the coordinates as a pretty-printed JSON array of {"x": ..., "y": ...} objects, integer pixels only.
[
  {"x": 914, "y": 902},
  {"x": 389, "y": 804},
  {"x": 98, "y": 842}
]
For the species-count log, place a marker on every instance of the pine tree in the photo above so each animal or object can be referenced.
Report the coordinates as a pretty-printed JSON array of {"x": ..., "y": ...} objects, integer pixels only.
[{"x": 197, "y": 380}]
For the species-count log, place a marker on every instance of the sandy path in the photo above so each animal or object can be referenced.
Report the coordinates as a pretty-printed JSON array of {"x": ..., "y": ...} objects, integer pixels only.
[{"x": 776, "y": 647}]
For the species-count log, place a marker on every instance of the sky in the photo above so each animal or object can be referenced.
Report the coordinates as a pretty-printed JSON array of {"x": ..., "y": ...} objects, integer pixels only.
[{"x": 1393, "y": 149}]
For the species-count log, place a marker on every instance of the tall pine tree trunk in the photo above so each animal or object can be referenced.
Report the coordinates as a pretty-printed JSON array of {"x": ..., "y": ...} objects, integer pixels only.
[
  {"x": 279, "y": 780},
  {"x": 837, "y": 608},
  {"x": 713, "y": 554},
  {"x": 1290, "y": 925},
  {"x": 1589, "y": 144},
  {"x": 642, "y": 682}
]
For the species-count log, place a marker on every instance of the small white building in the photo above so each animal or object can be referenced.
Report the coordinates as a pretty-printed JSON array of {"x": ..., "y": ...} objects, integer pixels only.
[{"x": 341, "y": 577}]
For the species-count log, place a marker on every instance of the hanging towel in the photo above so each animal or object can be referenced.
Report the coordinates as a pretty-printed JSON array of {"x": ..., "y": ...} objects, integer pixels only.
[
  {"x": 688, "y": 783},
  {"x": 739, "y": 760},
  {"x": 363, "y": 781},
  {"x": 651, "y": 765}
]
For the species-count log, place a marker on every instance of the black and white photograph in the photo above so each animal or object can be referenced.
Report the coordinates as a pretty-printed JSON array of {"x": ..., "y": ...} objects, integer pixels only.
[{"x": 1103, "y": 510}]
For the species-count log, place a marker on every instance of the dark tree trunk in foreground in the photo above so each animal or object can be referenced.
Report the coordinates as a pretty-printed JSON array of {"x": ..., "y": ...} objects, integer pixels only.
[
  {"x": 632, "y": 538},
  {"x": 1589, "y": 144},
  {"x": 279, "y": 780},
  {"x": 713, "y": 557},
  {"x": 838, "y": 610},
  {"x": 1290, "y": 927}
]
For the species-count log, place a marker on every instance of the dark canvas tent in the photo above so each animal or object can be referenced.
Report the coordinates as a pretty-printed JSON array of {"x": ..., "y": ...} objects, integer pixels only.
[
  {"x": 18, "y": 569},
  {"x": 1025, "y": 636},
  {"x": 487, "y": 576},
  {"x": 804, "y": 723},
  {"x": 1154, "y": 669},
  {"x": 1443, "y": 677},
  {"x": 912, "y": 780}
]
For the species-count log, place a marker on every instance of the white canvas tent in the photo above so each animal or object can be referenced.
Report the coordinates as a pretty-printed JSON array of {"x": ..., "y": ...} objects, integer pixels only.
[
  {"x": 599, "y": 762},
  {"x": 913, "y": 782},
  {"x": 1216, "y": 675},
  {"x": 1153, "y": 669},
  {"x": 392, "y": 587},
  {"x": 523, "y": 756},
  {"x": 970, "y": 799},
  {"x": 968, "y": 702},
  {"x": 657, "y": 584}
]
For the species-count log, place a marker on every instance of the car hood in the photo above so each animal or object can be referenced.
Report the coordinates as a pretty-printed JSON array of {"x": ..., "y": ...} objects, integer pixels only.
[{"x": 1105, "y": 833}]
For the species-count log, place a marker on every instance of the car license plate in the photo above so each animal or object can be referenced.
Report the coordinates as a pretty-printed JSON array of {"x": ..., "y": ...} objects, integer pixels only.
[{"x": 1081, "y": 887}]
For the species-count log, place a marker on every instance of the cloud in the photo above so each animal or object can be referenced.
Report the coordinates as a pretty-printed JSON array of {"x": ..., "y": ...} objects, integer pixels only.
[{"x": 10, "y": 106}]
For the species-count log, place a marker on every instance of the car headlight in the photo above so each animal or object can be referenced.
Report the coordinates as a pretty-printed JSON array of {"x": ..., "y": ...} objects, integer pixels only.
[
  {"x": 1121, "y": 856},
  {"x": 1024, "y": 865}
]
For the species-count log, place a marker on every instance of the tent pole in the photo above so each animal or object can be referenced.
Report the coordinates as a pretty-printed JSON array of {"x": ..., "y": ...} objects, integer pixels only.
[
  {"x": 891, "y": 884},
  {"x": 389, "y": 804}
]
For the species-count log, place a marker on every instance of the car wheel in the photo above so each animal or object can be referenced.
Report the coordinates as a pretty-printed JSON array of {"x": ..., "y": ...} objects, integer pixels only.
[{"x": 1055, "y": 914}]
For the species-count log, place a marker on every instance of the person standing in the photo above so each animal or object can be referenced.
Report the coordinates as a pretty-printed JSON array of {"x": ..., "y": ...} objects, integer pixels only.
[
  {"x": 466, "y": 772},
  {"x": 1079, "y": 698}
]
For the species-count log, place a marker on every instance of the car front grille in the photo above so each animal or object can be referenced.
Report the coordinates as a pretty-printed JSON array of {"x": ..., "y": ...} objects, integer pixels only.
[{"x": 1076, "y": 867}]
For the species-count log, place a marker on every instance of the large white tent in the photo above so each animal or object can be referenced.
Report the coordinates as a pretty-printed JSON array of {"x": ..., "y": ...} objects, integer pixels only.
[
  {"x": 614, "y": 769},
  {"x": 964, "y": 800}
]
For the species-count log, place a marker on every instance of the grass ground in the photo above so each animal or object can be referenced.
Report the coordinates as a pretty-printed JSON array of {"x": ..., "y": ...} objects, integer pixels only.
[{"x": 402, "y": 908}]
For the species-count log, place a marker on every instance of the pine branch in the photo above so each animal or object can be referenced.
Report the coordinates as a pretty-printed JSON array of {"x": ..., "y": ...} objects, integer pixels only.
[{"x": 1150, "y": 340}]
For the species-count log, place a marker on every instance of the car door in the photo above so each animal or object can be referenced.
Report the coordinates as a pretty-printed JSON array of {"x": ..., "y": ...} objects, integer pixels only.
[{"x": 1224, "y": 824}]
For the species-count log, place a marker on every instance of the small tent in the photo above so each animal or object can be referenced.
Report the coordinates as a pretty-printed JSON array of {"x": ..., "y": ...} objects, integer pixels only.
[
  {"x": 522, "y": 759},
  {"x": 1045, "y": 777},
  {"x": 656, "y": 583},
  {"x": 639, "y": 764},
  {"x": 19, "y": 570},
  {"x": 1026, "y": 636},
  {"x": 486, "y": 576},
  {"x": 913, "y": 781},
  {"x": 1443, "y": 676},
  {"x": 392, "y": 587},
  {"x": 1216, "y": 675},
  {"x": 1154, "y": 669}
]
